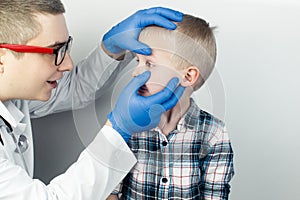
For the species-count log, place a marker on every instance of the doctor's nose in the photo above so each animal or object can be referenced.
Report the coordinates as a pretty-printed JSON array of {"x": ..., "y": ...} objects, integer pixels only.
[
  {"x": 138, "y": 70},
  {"x": 67, "y": 64}
]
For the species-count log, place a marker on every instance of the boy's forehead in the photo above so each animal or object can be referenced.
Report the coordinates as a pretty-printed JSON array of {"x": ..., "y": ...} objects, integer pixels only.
[
  {"x": 162, "y": 47},
  {"x": 156, "y": 43}
]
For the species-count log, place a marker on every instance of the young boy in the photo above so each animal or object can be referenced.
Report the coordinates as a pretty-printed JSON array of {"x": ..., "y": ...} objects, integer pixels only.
[{"x": 189, "y": 155}]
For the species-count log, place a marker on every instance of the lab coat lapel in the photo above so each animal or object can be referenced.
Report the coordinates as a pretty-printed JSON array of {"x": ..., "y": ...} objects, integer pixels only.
[{"x": 20, "y": 123}]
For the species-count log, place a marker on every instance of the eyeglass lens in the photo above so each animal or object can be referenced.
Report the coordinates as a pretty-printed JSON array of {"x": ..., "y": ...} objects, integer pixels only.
[{"x": 61, "y": 53}]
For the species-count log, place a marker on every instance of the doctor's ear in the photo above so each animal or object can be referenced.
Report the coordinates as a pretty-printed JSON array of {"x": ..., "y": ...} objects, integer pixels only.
[
  {"x": 1, "y": 66},
  {"x": 191, "y": 75},
  {"x": 2, "y": 53}
]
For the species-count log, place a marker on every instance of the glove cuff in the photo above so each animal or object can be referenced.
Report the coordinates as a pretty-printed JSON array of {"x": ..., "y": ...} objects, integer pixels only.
[{"x": 124, "y": 134}]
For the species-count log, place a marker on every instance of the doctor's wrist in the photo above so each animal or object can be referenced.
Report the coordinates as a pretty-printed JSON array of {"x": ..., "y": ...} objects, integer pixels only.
[
  {"x": 112, "y": 123},
  {"x": 118, "y": 56},
  {"x": 108, "y": 123}
]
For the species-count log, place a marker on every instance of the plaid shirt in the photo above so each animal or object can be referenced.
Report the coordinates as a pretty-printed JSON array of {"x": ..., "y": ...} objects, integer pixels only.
[{"x": 195, "y": 161}]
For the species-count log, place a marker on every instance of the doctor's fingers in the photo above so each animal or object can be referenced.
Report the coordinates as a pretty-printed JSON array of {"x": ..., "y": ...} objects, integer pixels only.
[
  {"x": 170, "y": 103},
  {"x": 164, "y": 95},
  {"x": 161, "y": 16}
]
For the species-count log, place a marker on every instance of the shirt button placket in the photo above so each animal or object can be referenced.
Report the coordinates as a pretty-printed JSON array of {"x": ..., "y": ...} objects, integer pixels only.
[{"x": 164, "y": 180}]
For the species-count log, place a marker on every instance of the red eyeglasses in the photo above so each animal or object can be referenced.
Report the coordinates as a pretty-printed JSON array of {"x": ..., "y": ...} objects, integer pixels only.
[{"x": 59, "y": 52}]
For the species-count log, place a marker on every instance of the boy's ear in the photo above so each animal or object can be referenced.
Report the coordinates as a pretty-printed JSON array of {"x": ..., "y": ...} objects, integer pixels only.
[{"x": 191, "y": 75}]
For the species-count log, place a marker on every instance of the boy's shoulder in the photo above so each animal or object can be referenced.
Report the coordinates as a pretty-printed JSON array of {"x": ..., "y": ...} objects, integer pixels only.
[
  {"x": 206, "y": 117},
  {"x": 208, "y": 128},
  {"x": 195, "y": 116},
  {"x": 203, "y": 116}
]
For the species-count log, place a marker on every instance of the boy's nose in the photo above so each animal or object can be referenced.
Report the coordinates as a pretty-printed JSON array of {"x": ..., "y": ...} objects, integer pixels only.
[
  {"x": 138, "y": 70},
  {"x": 67, "y": 64}
]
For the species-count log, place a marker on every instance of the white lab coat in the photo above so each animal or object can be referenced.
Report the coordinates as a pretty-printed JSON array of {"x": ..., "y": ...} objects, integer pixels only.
[{"x": 99, "y": 168}]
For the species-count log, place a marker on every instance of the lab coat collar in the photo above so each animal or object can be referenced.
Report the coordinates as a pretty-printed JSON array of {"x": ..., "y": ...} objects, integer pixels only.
[{"x": 11, "y": 113}]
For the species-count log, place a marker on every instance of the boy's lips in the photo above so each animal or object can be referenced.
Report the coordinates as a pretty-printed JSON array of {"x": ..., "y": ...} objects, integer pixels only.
[{"x": 143, "y": 90}]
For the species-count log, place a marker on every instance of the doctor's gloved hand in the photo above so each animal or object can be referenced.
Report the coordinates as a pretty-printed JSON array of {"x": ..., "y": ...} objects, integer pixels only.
[
  {"x": 134, "y": 113},
  {"x": 124, "y": 36}
]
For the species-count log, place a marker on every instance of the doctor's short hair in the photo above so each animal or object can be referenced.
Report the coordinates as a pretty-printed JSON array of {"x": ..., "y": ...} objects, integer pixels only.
[
  {"x": 18, "y": 24},
  {"x": 192, "y": 43}
]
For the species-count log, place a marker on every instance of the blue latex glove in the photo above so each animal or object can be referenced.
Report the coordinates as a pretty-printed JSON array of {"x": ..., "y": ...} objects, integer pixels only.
[
  {"x": 124, "y": 36},
  {"x": 134, "y": 113}
]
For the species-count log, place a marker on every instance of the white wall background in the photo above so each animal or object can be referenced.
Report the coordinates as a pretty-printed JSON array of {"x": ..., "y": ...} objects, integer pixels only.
[{"x": 255, "y": 89}]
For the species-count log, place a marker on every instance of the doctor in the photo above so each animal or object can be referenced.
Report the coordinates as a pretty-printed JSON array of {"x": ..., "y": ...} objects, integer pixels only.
[{"x": 35, "y": 64}]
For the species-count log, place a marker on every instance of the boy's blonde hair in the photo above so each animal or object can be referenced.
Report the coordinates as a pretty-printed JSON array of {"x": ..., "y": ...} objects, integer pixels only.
[
  {"x": 17, "y": 19},
  {"x": 192, "y": 43}
]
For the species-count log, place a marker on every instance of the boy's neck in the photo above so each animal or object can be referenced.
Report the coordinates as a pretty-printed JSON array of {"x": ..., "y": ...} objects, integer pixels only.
[{"x": 170, "y": 119}]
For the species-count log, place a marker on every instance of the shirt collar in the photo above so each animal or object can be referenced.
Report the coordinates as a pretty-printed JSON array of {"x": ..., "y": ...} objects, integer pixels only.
[
  {"x": 10, "y": 113},
  {"x": 190, "y": 118}
]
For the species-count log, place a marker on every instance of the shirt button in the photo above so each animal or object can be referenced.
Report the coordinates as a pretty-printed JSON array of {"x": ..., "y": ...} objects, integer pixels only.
[
  {"x": 164, "y": 180},
  {"x": 164, "y": 143}
]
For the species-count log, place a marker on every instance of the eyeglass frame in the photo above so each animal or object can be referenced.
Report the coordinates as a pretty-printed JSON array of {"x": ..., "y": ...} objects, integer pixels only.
[{"x": 43, "y": 50}]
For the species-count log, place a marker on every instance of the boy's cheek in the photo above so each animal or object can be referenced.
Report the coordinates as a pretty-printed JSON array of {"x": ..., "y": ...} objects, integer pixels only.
[
  {"x": 160, "y": 78},
  {"x": 138, "y": 70}
]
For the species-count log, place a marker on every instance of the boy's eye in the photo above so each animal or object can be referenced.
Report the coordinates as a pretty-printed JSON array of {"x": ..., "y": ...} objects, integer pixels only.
[{"x": 149, "y": 64}]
